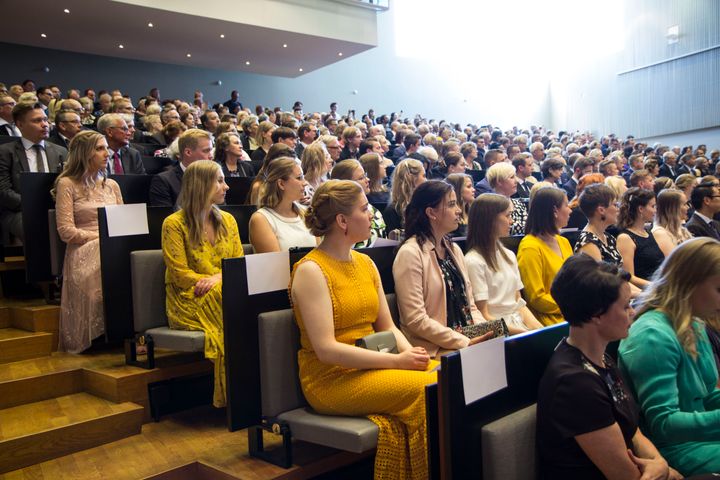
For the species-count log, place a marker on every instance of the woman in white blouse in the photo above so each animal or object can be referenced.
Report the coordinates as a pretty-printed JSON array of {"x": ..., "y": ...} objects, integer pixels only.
[
  {"x": 492, "y": 268},
  {"x": 279, "y": 223}
]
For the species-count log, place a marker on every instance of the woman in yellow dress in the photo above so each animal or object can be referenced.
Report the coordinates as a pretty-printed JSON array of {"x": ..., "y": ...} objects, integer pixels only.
[
  {"x": 338, "y": 298},
  {"x": 195, "y": 239}
]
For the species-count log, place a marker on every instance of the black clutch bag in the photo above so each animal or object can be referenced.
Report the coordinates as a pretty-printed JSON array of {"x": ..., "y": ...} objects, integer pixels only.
[
  {"x": 499, "y": 327},
  {"x": 380, "y": 342}
]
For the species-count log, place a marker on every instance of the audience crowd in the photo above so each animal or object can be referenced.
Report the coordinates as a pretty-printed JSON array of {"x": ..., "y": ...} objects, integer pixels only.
[{"x": 599, "y": 224}]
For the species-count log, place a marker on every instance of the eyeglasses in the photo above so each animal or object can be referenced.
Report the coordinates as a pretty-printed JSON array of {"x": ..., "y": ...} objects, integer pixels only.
[
  {"x": 124, "y": 129},
  {"x": 8, "y": 103}
]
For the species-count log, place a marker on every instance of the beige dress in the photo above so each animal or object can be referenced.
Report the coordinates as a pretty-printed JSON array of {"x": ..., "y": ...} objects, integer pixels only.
[{"x": 81, "y": 308}]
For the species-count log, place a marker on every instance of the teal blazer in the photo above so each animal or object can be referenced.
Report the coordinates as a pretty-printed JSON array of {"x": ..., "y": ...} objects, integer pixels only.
[{"x": 678, "y": 395}]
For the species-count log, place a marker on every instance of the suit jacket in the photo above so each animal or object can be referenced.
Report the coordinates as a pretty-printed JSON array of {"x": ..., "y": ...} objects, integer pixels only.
[
  {"x": 570, "y": 187},
  {"x": 57, "y": 139},
  {"x": 165, "y": 187},
  {"x": 420, "y": 292},
  {"x": 665, "y": 171},
  {"x": 483, "y": 186},
  {"x": 13, "y": 162},
  {"x": 131, "y": 161},
  {"x": 6, "y": 130},
  {"x": 523, "y": 190},
  {"x": 299, "y": 149},
  {"x": 681, "y": 169},
  {"x": 700, "y": 228}
]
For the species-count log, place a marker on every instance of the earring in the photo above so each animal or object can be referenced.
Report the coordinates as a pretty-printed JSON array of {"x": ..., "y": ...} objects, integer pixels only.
[
  {"x": 602, "y": 218},
  {"x": 346, "y": 232}
]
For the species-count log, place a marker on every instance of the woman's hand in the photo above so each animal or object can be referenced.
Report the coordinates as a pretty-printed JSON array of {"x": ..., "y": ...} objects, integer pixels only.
[
  {"x": 415, "y": 358},
  {"x": 204, "y": 285},
  {"x": 651, "y": 468},
  {"x": 482, "y": 338}
]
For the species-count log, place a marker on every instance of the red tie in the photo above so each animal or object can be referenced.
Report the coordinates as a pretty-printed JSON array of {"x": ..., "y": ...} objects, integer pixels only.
[{"x": 117, "y": 166}]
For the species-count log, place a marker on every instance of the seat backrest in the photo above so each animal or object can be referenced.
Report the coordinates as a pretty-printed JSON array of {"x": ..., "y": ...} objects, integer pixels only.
[
  {"x": 147, "y": 270},
  {"x": 508, "y": 447},
  {"x": 279, "y": 342},
  {"x": 393, "y": 306},
  {"x": 57, "y": 246}
]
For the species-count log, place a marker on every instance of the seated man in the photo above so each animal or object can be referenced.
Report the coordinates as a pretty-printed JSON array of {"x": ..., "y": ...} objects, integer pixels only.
[
  {"x": 7, "y": 125},
  {"x": 705, "y": 199},
  {"x": 123, "y": 159},
  {"x": 31, "y": 154},
  {"x": 193, "y": 144},
  {"x": 67, "y": 125}
]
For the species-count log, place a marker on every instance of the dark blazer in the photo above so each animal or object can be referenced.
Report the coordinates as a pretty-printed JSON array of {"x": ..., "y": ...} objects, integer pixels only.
[
  {"x": 131, "y": 161},
  {"x": 699, "y": 228},
  {"x": 523, "y": 190},
  {"x": 5, "y": 130},
  {"x": 165, "y": 187},
  {"x": 483, "y": 186},
  {"x": 570, "y": 187},
  {"x": 13, "y": 162},
  {"x": 299, "y": 149},
  {"x": 244, "y": 168},
  {"x": 57, "y": 139},
  {"x": 665, "y": 171}
]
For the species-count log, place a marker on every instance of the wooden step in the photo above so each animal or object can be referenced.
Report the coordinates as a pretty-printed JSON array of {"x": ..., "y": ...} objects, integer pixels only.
[
  {"x": 40, "y": 387},
  {"x": 38, "y": 318},
  {"x": 16, "y": 344},
  {"x": 48, "y": 429}
]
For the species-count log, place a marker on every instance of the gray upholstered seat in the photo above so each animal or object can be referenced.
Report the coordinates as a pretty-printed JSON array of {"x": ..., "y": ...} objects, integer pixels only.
[
  {"x": 148, "y": 291},
  {"x": 508, "y": 447},
  {"x": 282, "y": 395}
]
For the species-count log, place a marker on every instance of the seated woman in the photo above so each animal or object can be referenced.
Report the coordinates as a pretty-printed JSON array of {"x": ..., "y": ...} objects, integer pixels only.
[
  {"x": 434, "y": 294},
  {"x": 338, "y": 297},
  {"x": 669, "y": 361},
  {"x": 587, "y": 421},
  {"x": 543, "y": 251},
  {"x": 406, "y": 177},
  {"x": 577, "y": 218},
  {"x": 503, "y": 181},
  {"x": 195, "y": 239},
  {"x": 263, "y": 138},
  {"x": 351, "y": 169},
  {"x": 640, "y": 252},
  {"x": 79, "y": 191},
  {"x": 465, "y": 194},
  {"x": 374, "y": 167},
  {"x": 668, "y": 229},
  {"x": 229, "y": 155},
  {"x": 316, "y": 166},
  {"x": 276, "y": 151},
  {"x": 492, "y": 268},
  {"x": 278, "y": 224}
]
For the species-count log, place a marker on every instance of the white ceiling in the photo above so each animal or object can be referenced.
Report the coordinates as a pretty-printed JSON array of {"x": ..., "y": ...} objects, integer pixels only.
[{"x": 100, "y": 26}]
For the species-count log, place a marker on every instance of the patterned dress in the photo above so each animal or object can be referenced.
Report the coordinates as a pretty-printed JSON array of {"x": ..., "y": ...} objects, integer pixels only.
[
  {"x": 608, "y": 251},
  {"x": 392, "y": 399},
  {"x": 186, "y": 264},
  {"x": 81, "y": 306}
]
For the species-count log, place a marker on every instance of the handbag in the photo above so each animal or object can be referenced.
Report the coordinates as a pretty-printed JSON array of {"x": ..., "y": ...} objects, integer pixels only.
[
  {"x": 380, "y": 342},
  {"x": 499, "y": 327}
]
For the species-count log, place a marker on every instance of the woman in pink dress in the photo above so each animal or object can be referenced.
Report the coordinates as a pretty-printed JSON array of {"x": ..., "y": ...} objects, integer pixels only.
[{"x": 79, "y": 191}]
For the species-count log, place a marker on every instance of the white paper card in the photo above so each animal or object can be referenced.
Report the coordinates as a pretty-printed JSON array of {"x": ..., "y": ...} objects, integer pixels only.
[
  {"x": 127, "y": 219},
  {"x": 384, "y": 242},
  {"x": 483, "y": 369},
  {"x": 268, "y": 272}
]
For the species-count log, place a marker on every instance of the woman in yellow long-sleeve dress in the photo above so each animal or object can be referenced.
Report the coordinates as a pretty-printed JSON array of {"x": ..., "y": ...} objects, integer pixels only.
[
  {"x": 337, "y": 298},
  {"x": 195, "y": 239}
]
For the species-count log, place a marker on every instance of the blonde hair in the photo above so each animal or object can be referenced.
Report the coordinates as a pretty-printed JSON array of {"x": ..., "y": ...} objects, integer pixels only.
[
  {"x": 263, "y": 128},
  {"x": 617, "y": 184},
  {"x": 345, "y": 169},
  {"x": 673, "y": 286},
  {"x": 198, "y": 188},
  {"x": 667, "y": 215},
  {"x": 499, "y": 171},
  {"x": 403, "y": 183},
  {"x": 371, "y": 164},
  {"x": 313, "y": 163},
  {"x": 270, "y": 193},
  {"x": 190, "y": 139},
  {"x": 332, "y": 198},
  {"x": 77, "y": 166}
]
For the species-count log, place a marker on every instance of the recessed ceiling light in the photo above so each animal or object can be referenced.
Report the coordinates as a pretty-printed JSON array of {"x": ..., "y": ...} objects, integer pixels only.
[
  {"x": 284, "y": 45},
  {"x": 66, "y": 11},
  {"x": 189, "y": 55},
  {"x": 300, "y": 69},
  {"x": 150, "y": 25},
  {"x": 247, "y": 63},
  {"x": 222, "y": 35},
  {"x": 43, "y": 35},
  {"x": 121, "y": 46},
  {"x": 339, "y": 54}
]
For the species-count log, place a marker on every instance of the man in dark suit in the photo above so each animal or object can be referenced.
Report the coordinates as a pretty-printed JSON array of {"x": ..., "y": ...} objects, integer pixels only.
[
  {"x": 193, "y": 144},
  {"x": 31, "y": 154},
  {"x": 523, "y": 164},
  {"x": 669, "y": 166},
  {"x": 123, "y": 158},
  {"x": 492, "y": 157},
  {"x": 582, "y": 166},
  {"x": 7, "y": 125},
  {"x": 687, "y": 165},
  {"x": 307, "y": 133},
  {"x": 705, "y": 200},
  {"x": 67, "y": 125}
]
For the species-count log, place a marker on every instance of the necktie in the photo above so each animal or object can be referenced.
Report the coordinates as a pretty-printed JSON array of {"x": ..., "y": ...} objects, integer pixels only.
[
  {"x": 39, "y": 158},
  {"x": 117, "y": 166}
]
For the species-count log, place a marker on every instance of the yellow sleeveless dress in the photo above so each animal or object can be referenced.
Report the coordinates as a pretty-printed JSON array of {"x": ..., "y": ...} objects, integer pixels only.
[{"x": 392, "y": 399}]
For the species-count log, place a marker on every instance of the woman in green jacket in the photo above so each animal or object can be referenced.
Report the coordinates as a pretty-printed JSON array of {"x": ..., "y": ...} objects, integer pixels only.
[{"x": 669, "y": 361}]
